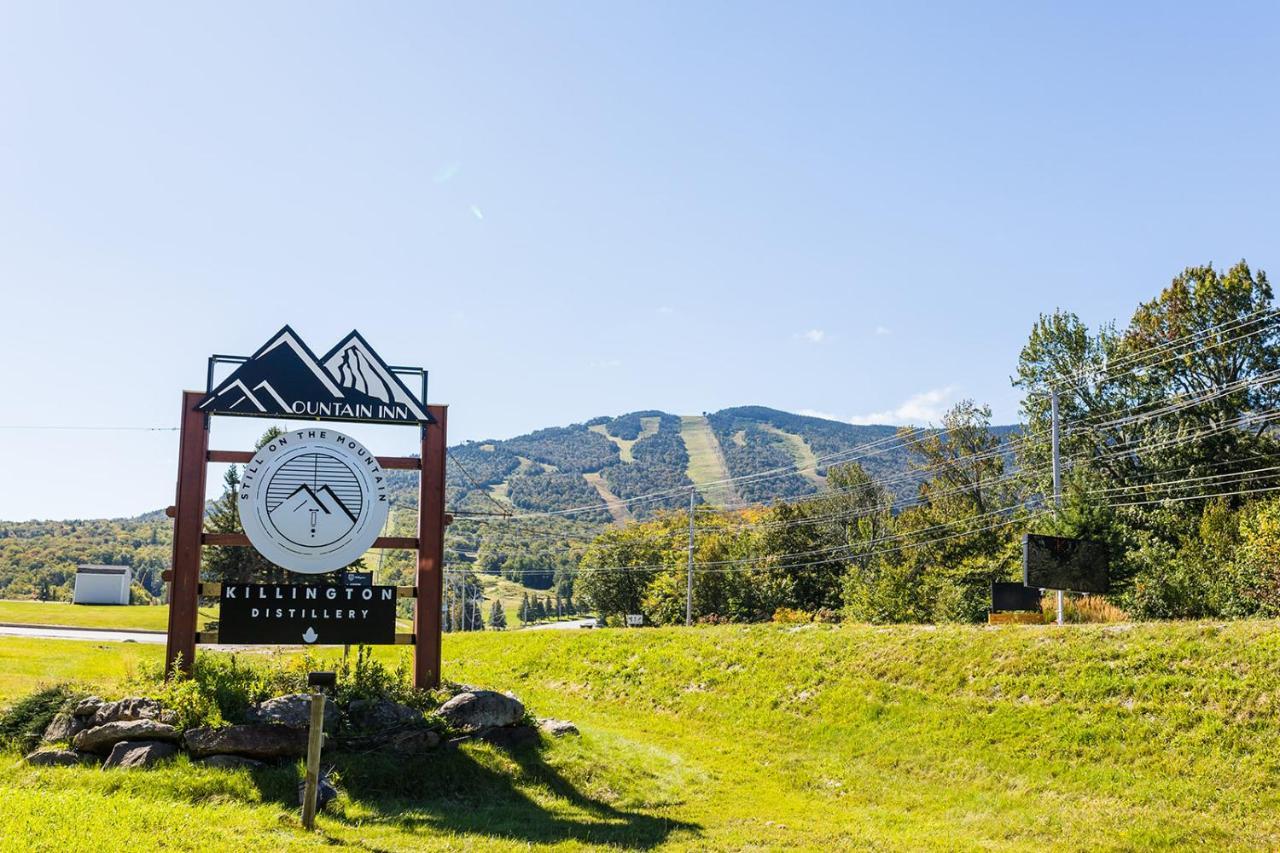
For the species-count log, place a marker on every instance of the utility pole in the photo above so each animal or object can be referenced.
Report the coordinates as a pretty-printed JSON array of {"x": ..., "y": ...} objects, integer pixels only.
[
  {"x": 688, "y": 595},
  {"x": 1057, "y": 469}
]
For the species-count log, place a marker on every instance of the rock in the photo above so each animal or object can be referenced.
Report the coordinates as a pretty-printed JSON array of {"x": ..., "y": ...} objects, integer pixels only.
[
  {"x": 293, "y": 711},
  {"x": 55, "y": 758},
  {"x": 133, "y": 708},
  {"x": 481, "y": 709},
  {"x": 230, "y": 762},
  {"x": 558, "y": 728},
  {"x": 252, "y": 741},
  {"x": 508, "y": 737},
  {"x": 102, "y": 738},
  {"x": 87, "y": 706},
  {"x": 64, "y": 727},
  {"x": 381, "y": 714},
  {"x": 132, "y": 753},
  {"x": 325, "y": 792},
  {"x": 405, "y": 740}
]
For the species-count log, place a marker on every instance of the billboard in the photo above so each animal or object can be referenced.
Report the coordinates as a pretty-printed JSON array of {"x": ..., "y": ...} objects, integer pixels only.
[
  {"x": 1012, "y": 596},
  {"x": 1055, "y": 562}
]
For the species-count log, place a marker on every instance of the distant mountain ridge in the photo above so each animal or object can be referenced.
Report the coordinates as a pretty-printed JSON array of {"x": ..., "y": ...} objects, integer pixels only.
[{"x": 631, "y": 465}]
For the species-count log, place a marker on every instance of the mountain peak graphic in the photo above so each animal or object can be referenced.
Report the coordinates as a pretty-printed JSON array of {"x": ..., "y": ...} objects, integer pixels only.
[{"x": 286, "y": 378}]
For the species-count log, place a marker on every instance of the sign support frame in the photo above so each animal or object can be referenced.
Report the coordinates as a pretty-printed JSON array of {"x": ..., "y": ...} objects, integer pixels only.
[{"x": 189, "y": 538}]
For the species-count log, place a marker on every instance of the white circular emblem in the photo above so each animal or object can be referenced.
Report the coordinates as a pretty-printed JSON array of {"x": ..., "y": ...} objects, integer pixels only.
[{"x": 313, "y": 500}]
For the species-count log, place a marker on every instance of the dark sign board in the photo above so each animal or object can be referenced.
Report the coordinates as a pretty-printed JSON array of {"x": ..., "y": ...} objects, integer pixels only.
[
  {"x": 1054, "y": 562},
  {"x": 288, "y": 614},
  {"x": 356, "y": 578},
  {"x": 285, "y": 379},
  {"x": 1006, "y": 597}
]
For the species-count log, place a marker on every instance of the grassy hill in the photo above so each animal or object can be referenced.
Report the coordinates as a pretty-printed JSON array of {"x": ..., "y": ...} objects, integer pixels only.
[{"x": 762, "y": 737}]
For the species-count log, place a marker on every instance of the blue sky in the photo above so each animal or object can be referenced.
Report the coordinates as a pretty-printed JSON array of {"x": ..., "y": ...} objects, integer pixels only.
[{"x": 565, "y": 210}]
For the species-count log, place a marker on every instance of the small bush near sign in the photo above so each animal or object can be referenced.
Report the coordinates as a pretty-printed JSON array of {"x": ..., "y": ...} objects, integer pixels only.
[
  {"x": 1054, "y": 562},
  {"x": 1013, "y": 597}
]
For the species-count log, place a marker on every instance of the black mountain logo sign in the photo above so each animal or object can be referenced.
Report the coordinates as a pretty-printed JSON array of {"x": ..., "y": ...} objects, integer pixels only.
[{"x": 284, "y": 378}]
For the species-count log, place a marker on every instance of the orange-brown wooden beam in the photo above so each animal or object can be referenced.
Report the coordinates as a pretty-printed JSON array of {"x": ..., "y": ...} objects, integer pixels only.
[
  {"x": 395, "y": 463},
  {"x": 430, "y": 574},
  {"x": 234, "y": 539},
  {"x": 188, "y": 523}
]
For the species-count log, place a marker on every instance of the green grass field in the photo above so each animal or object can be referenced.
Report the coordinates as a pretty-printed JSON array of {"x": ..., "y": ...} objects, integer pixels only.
[
  {"x": 706, "y": 462},
  {"x": 1116, "y": 737},
  {"x": 140, "y": 618}
]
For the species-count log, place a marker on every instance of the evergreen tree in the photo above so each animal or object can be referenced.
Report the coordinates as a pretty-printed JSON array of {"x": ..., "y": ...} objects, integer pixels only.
[
  {"x": 497, "y": 616},
  {"x": 234, "y": 564},
  {"x": 539, "y": 611},
  {"x": 524, "y": 614}
]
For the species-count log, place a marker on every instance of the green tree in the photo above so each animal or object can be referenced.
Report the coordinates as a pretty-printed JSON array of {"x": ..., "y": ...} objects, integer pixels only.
[{"x": 497, "y": 616}]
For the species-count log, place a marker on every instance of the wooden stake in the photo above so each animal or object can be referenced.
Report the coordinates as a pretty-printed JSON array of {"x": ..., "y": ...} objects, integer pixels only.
[{"x": 315, "y": 738}]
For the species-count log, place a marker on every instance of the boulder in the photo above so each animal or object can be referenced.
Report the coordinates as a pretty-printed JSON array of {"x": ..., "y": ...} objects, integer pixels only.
[
  {"x": 87, "y": 706},
  {"x": 132, "y": 753},
  {"x": 133, "y": 708},
  {"x": 55, "y": 758},
  {"x": 293, "y": 711},
  {"x": 265, "y": 743},
  {"x": 416, "y": 739},
  {"x": 378, "y": 714},
  {"x": 64, "y": 727},
  {"x": 230, "y": 762},
  {"x": 508, "y": 737},
  {"x": 558, "y": 728},
  {"x": 102, "y": 738},
  {"x": 481, "y": 709},
  {"x": 325, "y": 792}
]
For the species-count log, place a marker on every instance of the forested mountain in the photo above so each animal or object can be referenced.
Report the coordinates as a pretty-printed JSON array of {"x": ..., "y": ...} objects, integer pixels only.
[{"x": 580, "y": 474}]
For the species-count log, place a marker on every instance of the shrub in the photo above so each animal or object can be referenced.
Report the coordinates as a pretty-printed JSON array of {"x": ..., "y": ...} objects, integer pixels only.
[
  {"x": 791, "y": 616},
  {"x": 23, "y": 723},
  {"x": 1083, "y": 609},
  {"x": 223, "y": 687}
]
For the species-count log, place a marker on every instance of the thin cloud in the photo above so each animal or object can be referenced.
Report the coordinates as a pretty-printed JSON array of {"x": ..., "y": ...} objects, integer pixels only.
[
  {"x": 606, "y": 364},
  {"x": 923, "y": 408},
  {"x": 883, "y": 330},
  {"x": 813, "y": 336}
]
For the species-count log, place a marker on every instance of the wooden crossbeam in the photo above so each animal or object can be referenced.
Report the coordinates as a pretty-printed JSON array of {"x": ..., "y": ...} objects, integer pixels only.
[
  {"x": 213, "y": 589},
  {"x": 395, "y": 463},
  {"x": 240, "y": 540},
  {"x": 210, "y": 638}
]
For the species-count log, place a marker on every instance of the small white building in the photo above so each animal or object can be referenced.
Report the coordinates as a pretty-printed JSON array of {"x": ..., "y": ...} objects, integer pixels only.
[{"x": 102, "y": 585}]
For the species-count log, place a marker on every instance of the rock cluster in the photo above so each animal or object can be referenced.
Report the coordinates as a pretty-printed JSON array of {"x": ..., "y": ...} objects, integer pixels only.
[{"x": 138, "y": 732}]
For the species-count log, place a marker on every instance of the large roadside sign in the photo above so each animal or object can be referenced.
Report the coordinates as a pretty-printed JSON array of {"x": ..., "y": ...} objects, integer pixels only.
[
  {"x": 312, "y": 501},
  {"x": 309, "y": 614}
]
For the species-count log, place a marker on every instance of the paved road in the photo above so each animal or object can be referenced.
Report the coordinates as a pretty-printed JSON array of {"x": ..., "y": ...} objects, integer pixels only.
[
  {"x": 101, "y": 636},
  {"x": 562, "y": 626}
]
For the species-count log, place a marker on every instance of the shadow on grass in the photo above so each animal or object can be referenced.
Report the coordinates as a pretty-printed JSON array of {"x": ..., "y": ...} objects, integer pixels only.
[{"x": 454, "y": 791}]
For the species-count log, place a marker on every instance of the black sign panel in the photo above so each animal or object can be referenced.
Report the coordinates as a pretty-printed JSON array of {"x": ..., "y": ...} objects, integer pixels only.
[
  {"x": 306, "y": 614},
  {"x": 284, "y": 378},
  {"x": 1013, "y": 596},
  {"x": 1053, "y": 562}
]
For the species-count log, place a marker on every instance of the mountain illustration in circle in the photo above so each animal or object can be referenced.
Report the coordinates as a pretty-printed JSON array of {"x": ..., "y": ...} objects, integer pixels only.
[
  {"x": 312, "y": 517},
  {"x": 285, "y": 378}
]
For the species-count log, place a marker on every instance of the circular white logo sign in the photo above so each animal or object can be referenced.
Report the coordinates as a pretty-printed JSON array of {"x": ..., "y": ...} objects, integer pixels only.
[{"x": 313, "y": 500}]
